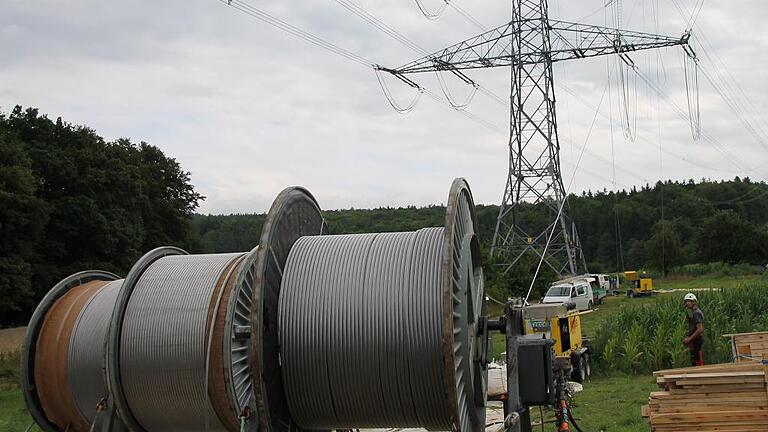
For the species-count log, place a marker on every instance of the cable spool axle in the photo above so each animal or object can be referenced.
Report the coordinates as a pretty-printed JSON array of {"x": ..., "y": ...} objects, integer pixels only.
[
  {"x": 375, "y": 330},
  {"x": 178, "y": 346}
]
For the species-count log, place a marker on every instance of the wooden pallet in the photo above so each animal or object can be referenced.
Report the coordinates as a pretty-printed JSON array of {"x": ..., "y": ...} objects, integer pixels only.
[
  {"x": 729, "y": 397},
  {"x": 749, "y": 346}
]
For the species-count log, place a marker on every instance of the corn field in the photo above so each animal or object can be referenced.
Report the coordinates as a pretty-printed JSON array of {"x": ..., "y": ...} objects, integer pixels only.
[{"x": 639, "y": 339}]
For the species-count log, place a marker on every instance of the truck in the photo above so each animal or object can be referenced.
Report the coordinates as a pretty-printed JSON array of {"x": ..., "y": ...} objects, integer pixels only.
[
  {"x": 576, "y": 290},
  {"x": 600, "y": 286}
]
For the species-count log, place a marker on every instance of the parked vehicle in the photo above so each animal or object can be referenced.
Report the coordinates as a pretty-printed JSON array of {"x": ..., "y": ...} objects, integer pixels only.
[
  {"x": 642, "y": 284},
  {"x": 613, "y": 288},
  {"x": 576, "y": 290},
  {"x": 600, "y": 286}
]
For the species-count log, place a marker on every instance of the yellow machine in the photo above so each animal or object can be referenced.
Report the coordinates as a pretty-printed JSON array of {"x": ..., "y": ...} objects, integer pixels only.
[
  {"x": 642, "y": 284},
  {"x": 555, "y": 321}
]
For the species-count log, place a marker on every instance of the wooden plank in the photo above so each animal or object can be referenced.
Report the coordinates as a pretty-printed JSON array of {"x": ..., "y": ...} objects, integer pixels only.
[
  {"x": 708, "y": 368},
  {"x": 765, "y": 372},
  {"x": 729, "y": 397},
  {"x": 745, "y": 334}
]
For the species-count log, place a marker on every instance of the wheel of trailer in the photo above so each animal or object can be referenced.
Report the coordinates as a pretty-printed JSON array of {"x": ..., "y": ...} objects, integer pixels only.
[
  {"x": 590, "y": 305},
  {"x": 631, "y": 294},
  {"x": 579, "y": 372},
  {"x": 587, "y": 362},
  {"x": 582, "y": 371}
]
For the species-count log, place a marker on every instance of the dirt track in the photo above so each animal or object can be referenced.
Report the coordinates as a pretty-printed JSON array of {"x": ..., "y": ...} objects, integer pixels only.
[{"x": 10, "y": 339}]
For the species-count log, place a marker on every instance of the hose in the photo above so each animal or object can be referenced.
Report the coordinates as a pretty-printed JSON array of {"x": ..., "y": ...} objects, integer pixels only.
[{"x": 573, "y": 420}]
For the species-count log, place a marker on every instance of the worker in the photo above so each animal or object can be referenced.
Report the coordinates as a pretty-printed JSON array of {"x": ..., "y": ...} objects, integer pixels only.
[{"x": 695, "y": 338}]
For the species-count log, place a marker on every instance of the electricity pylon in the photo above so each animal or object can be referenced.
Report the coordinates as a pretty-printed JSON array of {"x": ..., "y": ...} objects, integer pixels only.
[{"x": 529, "y": 44}]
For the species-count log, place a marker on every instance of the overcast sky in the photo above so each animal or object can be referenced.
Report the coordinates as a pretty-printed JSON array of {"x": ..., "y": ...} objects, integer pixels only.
[{"x": 249, "y": 109}]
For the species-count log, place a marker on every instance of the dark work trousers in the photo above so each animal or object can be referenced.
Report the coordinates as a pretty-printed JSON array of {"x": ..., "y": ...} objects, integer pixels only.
[{"x": 695, "y": 348}]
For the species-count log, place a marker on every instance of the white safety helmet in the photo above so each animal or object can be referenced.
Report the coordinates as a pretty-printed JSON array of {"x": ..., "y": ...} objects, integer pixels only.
[{"x": 690, "y": 296}]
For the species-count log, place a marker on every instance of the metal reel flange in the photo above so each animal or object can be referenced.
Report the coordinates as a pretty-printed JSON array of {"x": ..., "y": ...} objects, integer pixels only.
[
  {"x": 28, "y": 387},
  {"x": 114, "y": 381},
  {"x": 465, "y": 374},
  {"x": 294, "y": 214},
  {"x": 237, "y": 339}
]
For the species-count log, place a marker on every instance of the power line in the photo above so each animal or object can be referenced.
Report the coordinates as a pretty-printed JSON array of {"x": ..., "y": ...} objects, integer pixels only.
[
  {"x": 372, "y": 20},
  {"x": 710, "y": 140},
  {"x": 468, "y": 17},
  {"x": 400, "y": 110},
  {"x": 432, "y": 15},
  {"x": 722, "y": 85},
  {"x": 695, "y": 14},
  {"x": 737, "y": 110},
  {"x": 565, "y": 197},
  {"x": 296, "y": 31},
  {"x": 681, "y": 113}
]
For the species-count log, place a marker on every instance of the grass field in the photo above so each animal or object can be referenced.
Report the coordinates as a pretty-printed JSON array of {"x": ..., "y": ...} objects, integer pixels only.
[
  {"x": 13, "y": 413},
  {"x": 612, "y": 404}
]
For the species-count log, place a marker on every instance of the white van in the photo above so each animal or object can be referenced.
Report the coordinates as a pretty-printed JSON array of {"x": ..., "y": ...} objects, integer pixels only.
[{"x": 575, "y": 290}]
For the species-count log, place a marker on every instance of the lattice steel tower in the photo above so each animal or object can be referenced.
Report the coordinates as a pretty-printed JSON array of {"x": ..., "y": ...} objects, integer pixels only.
[{"x": 529, "y": 44}]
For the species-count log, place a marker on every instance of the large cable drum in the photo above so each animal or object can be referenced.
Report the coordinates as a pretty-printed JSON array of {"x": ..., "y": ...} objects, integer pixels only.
[
  {"x": 63, "y": 354},
  {"x": 380, "y": 330},
  {"x": 178, "y": 354}
]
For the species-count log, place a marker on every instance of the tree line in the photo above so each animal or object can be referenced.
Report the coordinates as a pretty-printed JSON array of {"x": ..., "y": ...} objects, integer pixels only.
[
  {"x": 655, "y": 228},
  {"x": 70, "y": 200}
]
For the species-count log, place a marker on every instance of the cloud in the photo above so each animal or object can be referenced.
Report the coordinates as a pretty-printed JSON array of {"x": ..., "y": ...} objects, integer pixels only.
[{"x": 249, "y": 109}]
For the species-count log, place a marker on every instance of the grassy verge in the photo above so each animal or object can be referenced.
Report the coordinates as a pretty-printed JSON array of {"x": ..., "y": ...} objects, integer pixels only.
[
  {"x": 612, "y": 403},
  {"x": 13, "y": 412}
]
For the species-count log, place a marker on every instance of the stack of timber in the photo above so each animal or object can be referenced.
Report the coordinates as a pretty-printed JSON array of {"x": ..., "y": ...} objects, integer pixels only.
[
  {"x": 749, "y": 346},
  {"x": 730, "y": 397}
]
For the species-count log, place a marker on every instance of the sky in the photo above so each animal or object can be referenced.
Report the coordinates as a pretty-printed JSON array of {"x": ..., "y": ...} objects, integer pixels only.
[{"x": 248, "y": 109}]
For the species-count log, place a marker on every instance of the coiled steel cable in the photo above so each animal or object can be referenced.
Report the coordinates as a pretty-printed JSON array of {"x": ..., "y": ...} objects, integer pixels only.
[
  {"x": 360, "y": 331},
  {"x": 163, "y": 352},
  {"x": 51, "y": 356},
  {"x": 85, "y": 360}
]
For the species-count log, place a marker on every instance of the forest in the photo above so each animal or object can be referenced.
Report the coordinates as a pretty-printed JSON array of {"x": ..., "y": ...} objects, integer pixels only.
[{"x": 70, "y": 200}]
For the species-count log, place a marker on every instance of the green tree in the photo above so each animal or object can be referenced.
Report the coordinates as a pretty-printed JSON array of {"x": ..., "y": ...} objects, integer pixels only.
[
  {"x": 664, "y": 249},
  {"x": 105, "y": 203},
  {"x": 22, "y": 219},
  {"x": 727, "y": 237}
]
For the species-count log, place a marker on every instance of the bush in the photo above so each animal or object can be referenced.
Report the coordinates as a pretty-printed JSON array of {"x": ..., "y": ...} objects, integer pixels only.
[{"x": 644, "y": 338}]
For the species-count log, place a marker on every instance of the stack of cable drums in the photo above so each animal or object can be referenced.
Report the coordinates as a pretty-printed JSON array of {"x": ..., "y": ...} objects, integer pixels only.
[
  {"x": 375, "y": 330},
  {"x": 173, "y": 338},
  {"x": 308, "y": 331},
  {"x": 178, "y": 343}
]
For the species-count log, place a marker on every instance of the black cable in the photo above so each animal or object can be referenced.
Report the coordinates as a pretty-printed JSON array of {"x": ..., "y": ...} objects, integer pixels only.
[
  {"x": 573, "y": 420},
  {"x": 541, "y": 417},
  {"x": 432, "y": 15},
  {"x": 296, "y": 31}
]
